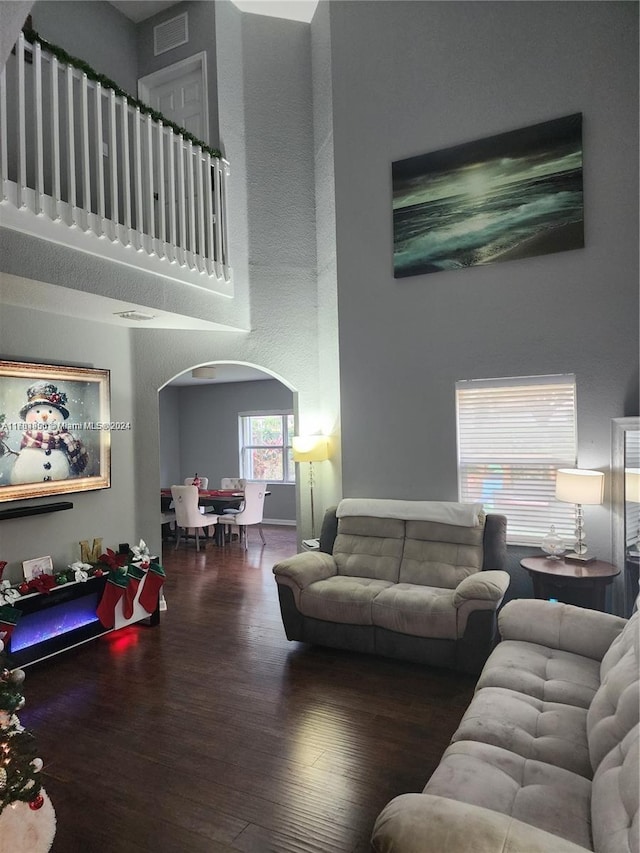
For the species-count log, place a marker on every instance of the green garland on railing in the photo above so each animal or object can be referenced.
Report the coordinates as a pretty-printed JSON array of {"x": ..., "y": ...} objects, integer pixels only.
[{"x": 32, "y": 36}]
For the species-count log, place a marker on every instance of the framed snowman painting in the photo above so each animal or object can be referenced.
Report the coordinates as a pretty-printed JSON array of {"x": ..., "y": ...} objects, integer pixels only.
[{"x": 55, "y": 430}]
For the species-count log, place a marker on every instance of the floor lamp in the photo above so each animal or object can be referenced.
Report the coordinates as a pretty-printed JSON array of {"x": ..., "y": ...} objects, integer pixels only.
[
  {"x": 578, "y": 486},
  {"x": 310, "y": 448}
]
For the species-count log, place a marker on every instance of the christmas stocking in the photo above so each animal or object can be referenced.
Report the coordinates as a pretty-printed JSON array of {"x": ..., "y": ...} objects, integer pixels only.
[
  {"x": 151, "y": 588},
  {"x": 8, "y": 617},
  {"x": 113, "y": 591},
  {"x": 134, "y": 575}
]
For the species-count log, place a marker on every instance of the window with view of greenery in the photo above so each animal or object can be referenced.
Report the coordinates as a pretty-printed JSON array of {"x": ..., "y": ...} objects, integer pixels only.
[
  {"x": 265, "y": 446},
  {"x": 513, "y": 435}
]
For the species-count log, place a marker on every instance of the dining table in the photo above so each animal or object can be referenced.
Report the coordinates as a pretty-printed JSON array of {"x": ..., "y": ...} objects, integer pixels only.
[{"x": 217, "y": 499}]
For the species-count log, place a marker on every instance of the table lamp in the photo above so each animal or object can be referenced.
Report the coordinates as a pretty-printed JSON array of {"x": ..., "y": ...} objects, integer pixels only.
[
  {"x": 632, "y": 485},
  {"x": 579, "y": 486},
  {"x": 310, "y": 448}
]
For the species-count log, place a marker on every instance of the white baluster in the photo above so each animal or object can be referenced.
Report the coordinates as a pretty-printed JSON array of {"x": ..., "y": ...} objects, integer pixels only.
[
  {"x": 202, "y": 251},
  {"x": 126, "y": 172},
  {"x": 161, "y": 193},
  {"x": 137, "y": 145},
  {"x": 4, "y": 161},
  {"x": 172, "y": 140},
  {"x": 99, "y": 161},
  {"x": 192, "y": 206},
  {"x": 223, "y": 208},
  {"x": 182, "y": 210},
  {"x": 151, "y": 225},
  {"x": 208, "y": 194},
  {"x": 113, "y": 166},
  {"x": 37, "y": 103},
  {"x": 86, "y": 161},
  {"x": 55, "y": 138},
  {"x": 217, "y": 198},
  {"x": 22, "y": 145},
  {"x": 71, "y": 150}
]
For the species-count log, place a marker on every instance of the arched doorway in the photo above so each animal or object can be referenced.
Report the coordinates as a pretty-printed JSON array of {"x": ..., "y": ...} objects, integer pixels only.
[{"x": 201, "y": 415}]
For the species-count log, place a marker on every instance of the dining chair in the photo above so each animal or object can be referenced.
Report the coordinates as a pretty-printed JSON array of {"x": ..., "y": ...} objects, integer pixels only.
[
  {"x": 238, "y": 483},
  {"x": 188, "y": 515},
  {"x": 254, "y": 494},
  {"x": 233, "y": 483},
  {"x": 204, "y": 482}
]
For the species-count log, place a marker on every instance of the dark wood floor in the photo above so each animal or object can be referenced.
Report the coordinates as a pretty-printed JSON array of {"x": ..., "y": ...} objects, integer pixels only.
[{"x": 213, "y": 734}]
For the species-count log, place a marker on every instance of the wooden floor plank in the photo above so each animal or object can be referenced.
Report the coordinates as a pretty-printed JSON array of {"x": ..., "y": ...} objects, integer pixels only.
[{"x": 213, "y": 734}]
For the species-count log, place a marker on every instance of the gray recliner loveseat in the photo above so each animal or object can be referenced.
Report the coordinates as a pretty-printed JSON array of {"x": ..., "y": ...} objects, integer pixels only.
[{"x": 416, "y": 580}]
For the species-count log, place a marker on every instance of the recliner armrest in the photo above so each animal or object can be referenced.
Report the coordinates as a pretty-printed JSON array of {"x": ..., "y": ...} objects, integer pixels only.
[
  {"x": 559, "y": 626},
  {"x": 482, "y": 586},
  {"x": 424, "y": 823},
  {"x": 305, "y": 568}
]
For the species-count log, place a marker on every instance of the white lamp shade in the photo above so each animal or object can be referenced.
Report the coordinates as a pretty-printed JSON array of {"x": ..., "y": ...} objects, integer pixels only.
[
  {"x": 632, "y": 485},
  {"x": 578, "y": 486},
  {"x": 310, "y": 448}
]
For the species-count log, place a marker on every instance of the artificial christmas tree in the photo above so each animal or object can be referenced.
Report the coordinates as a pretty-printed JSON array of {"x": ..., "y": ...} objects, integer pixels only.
[{"x": 27, "y": 818}]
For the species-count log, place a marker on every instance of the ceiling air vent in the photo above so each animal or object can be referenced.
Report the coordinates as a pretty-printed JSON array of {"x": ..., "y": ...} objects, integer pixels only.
[{"x": 170, "y": 34}]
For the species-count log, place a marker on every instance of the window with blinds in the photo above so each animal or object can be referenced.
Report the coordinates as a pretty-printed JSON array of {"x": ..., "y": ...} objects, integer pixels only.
[{"x": 513, "y": 434}]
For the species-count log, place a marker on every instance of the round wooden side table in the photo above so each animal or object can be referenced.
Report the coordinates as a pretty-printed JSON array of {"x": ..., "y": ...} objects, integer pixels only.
[{"x": 570, "y": 583}]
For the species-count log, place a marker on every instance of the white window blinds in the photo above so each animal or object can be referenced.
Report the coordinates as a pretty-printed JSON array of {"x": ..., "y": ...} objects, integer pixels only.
[{"x": 513, "y": 434}]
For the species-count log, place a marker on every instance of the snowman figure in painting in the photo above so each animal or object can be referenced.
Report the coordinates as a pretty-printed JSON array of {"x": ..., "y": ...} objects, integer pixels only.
[{"x": 48, "y": 450}]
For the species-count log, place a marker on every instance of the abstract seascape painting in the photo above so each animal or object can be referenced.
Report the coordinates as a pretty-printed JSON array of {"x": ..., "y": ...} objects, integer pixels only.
[{"x": 506, "y": 197}]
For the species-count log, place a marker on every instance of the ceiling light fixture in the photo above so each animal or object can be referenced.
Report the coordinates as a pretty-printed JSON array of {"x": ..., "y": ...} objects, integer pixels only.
[
  {"x": 135, "y": 315},
  {"x": 206, "y": 372}
]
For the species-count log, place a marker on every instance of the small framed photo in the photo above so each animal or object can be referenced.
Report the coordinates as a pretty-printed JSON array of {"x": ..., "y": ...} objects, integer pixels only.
[{"x": 37, "y": 566}]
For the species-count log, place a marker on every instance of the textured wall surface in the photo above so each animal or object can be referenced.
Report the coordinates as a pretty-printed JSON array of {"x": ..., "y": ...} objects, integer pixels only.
[
  {"x": 409, "y": 78},
  {"x": 109, "y": 513},
  {"x": 94, "y": 31}
]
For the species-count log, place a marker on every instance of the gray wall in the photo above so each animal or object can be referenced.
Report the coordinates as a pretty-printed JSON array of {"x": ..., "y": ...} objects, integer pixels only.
[
  {"x": 108, "y": 513},
  {"x": 431, "y": 75},
  {"x": 94, "y": 31},
  {"x": 202, "y": 37},
  {"x": 207, "y": 419},
  {"x": 170, "y": 446},
  {"x": 13, "y": 14}
]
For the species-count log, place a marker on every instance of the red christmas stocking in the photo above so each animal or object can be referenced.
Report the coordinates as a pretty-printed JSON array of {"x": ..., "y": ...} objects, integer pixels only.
[
  {"x": 134, "y": 575},
  {"x": 151, "y": 587},
  {"x": 113, "y": 592},
  {"x": 8, "y": 617}
]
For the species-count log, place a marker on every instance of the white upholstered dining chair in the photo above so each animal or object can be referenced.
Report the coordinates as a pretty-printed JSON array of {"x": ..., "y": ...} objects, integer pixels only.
[
  {"x": 250, "y": 514},
  {"x": 188, "y": 515},
  {"x": 233, "y": 483}
]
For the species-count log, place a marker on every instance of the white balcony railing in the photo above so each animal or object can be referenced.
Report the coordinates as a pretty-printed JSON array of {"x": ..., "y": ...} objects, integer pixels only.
[{"x": 74, "y": 153}]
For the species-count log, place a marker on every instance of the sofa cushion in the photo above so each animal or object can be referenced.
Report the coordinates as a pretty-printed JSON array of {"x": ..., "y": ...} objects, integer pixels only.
[
  {"x": 369, "y": 547},
  {"x": 441, "y": 554},
  {"x": 545, "y": 731},
  {"x": 549, "y": 674},
  {"x": 421, "y": 611},
  {"x": 341, "y": 599},
  {"x": 550, "y": 798},
  {"x": 615, "y": 707},
  {"x": 615, "y": 795},
  {"x": 625, "y": 641}
]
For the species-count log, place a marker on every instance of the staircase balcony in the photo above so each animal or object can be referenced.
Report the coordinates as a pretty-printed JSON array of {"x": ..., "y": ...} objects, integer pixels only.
[{"x": 82, "y": 167}]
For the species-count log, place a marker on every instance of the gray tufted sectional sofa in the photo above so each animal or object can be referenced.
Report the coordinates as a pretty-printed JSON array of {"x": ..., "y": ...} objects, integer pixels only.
[
  {"x": 415, "y": 580},
  {"x": 546, "y": 757}
]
